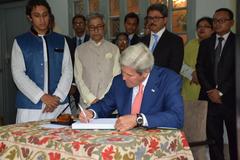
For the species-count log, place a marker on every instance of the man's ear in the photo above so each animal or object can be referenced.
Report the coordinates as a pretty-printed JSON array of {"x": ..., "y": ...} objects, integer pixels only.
[
  {"x": 145, "y": 73},
  {"x": 29, "y": 18}
]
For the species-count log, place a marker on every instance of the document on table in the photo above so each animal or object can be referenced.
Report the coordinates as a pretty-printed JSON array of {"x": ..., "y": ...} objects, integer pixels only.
[{"x": 99, "y": 123}]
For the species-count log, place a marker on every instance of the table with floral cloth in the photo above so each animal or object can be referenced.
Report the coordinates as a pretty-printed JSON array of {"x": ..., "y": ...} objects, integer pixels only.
[{"x": 31, "y": 141}]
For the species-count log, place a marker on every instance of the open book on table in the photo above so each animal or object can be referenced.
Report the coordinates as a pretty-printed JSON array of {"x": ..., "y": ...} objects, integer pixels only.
[{"x": 99, "y": 123}]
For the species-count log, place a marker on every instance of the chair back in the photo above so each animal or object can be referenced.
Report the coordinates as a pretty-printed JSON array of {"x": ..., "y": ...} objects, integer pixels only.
[{"x": 195, "y": 118}]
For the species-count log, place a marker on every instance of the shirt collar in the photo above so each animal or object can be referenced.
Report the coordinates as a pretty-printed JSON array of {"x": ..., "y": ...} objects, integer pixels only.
[
  {"x": 82, "y": 37},
  {"x": 130, "y": 36},
  {"x": 36, "y": 33},
  {"x": 144, "y": 83},
  {"x": 99, "y": 43},
  {"x": 159, "y": 33},
  {"x": 225, "y": 36}
]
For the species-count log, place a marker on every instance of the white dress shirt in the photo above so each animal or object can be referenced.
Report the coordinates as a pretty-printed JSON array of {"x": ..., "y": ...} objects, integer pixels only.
[
  {"x": 32, "y": 91},
  {"x": 159, "y": 33}
]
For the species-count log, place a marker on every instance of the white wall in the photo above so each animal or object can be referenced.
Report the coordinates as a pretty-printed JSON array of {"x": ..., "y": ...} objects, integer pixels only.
[{"x": 60, "y": 11}]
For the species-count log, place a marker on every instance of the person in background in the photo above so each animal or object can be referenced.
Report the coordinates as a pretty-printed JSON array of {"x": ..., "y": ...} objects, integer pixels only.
[
  {"x": 166, "y": 47},
  {"x": 216, "y": 74},
  {"x": 122, "y": 41},
  {"x": 131, "y": 22},
  {"x": 191, "y": 87},
  {"x": 96, "y": 63},
  {"x": 41, "y": 67},
  {"x": 147, "y": 30},
  {"x": 143, "y": 94},
  {"x": 79, "y": 26},
  {"x": 81, "y": 36}
]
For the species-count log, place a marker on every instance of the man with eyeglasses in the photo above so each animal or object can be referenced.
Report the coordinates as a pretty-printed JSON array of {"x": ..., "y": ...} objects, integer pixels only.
[
  {"x": 216, "y": 74},
  {"x": 79, "y": 27},
  {"x": 96, "y": 63},
  {"x": 166, "y": 47}
]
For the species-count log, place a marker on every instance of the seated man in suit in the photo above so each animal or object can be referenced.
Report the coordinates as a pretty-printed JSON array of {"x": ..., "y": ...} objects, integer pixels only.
[{"x": 142, "y": 94}]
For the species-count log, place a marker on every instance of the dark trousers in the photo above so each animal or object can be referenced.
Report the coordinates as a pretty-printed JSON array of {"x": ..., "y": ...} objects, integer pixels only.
[{"x": 217, "y": 116}]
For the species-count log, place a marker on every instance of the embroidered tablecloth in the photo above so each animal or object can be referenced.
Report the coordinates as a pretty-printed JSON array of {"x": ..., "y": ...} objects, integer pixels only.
[{"x": 31, "y": 141}]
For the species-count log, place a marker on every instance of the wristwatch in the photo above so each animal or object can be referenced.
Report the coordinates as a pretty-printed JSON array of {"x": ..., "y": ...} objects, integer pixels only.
[{"x": 139, "y": 120}]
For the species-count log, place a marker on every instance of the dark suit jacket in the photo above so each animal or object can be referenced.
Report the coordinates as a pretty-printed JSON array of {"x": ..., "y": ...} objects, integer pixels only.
[
  {"x": 86, "y": 38},
  {"x": 74, "y": 39},
  {"x": 226, "y": 69},
  {"x": 168, "y": 52},
  {"x": 134, "y": 40},
  {"x": 162, "y": 103}
]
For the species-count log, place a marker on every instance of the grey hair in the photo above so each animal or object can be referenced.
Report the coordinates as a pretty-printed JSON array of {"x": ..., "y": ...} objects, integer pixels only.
[
  {"x": 95, "y": 15},
  {"x": 138, "y": 57}
]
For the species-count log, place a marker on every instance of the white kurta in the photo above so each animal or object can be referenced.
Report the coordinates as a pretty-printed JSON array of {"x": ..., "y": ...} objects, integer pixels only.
[{"x": 32, "y": 91}]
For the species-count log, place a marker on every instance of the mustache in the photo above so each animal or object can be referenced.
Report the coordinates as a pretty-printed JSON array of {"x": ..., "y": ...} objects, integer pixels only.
[{"x": 152, "y": 24}]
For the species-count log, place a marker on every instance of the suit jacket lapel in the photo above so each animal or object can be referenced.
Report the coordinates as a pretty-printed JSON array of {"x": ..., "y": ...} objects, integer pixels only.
[
  {"x": 150, "y": 92},
  {"x": 212, "y": 47},
  {"x": 226, "y": 45},
  {"x": 129, "y": 101},
  {"x": 161, "y": 41}
]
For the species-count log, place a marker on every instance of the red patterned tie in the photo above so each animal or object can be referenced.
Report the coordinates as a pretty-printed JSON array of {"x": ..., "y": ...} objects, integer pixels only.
[{"x": 138, "y": 100}]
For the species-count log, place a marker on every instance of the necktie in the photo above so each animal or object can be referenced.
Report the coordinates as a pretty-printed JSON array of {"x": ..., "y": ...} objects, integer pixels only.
[
  {"x": 217, "y": 57},
  {"x": 79, "y": 41},
  {"x": 155, "y": 37},
  {"x": 138, "y": 100}
]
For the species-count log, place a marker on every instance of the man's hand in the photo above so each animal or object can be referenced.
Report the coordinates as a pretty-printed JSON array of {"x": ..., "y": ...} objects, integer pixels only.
[
  {"x": 48, "y": 109},
  {"x": 85, "y": 118},
  {"x": 194, "y": 78},
  {"x": 126, "y": 122},
  {"x": 51, "y": 102},
  {"x": 214, "y": 96}
]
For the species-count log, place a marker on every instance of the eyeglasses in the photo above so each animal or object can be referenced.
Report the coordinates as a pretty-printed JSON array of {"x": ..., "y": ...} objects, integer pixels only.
[
  {"x": 98, "y": 27},
  {"x": 220, "y": 21},
  {"x": 79, "y": 23},
  {"x": 156, "y": 18},
  {"x": 198, "y": 27}
]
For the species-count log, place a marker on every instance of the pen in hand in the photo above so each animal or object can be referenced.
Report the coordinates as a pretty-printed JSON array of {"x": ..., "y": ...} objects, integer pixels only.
[{"x": 84, "y": 114}]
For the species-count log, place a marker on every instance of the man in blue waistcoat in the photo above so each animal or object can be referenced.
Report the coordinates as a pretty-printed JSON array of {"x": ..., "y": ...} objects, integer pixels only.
[{"x": 41, "y": 67}]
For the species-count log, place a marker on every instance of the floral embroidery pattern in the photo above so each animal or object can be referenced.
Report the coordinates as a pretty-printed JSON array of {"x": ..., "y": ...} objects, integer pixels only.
[{"x": 31, "y": 141}]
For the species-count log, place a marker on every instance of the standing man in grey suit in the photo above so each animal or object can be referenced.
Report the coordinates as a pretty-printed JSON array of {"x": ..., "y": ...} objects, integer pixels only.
[
  {"x": 167, "y": 48},
  {"x": 216, "y": 74}
]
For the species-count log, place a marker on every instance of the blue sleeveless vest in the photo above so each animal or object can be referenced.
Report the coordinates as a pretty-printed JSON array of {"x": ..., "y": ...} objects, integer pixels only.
[{"x": 32, "y": 50}]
